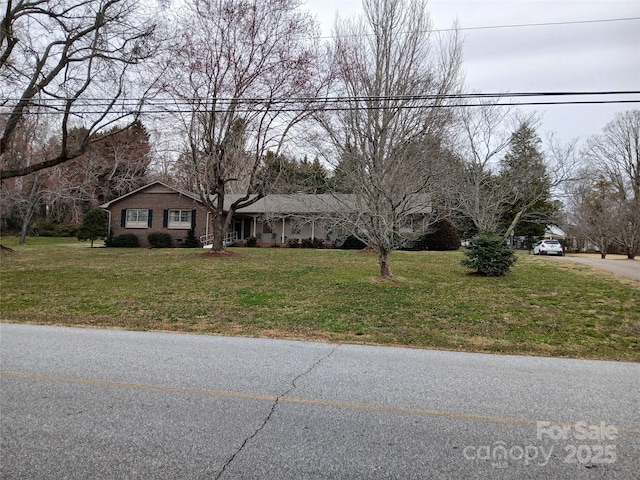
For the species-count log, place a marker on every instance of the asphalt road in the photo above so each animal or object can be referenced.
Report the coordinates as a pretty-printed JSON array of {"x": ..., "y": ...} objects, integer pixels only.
[{"x": 90, "y": 404}]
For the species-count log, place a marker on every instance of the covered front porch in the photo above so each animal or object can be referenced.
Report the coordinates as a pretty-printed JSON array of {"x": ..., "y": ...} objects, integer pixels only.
[{"x": 278, "y": 230}]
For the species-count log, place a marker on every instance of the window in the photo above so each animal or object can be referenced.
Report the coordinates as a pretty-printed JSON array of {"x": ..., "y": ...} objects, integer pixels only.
[
  {"x": 179, "y": 219},
  {"x": 137, "y": 218}
]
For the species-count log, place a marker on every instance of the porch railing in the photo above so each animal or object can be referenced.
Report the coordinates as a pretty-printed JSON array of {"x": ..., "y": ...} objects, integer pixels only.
[{"x": 229, "y": 239}]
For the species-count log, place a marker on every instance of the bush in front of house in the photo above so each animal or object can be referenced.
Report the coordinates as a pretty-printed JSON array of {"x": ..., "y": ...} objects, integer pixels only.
[
  {"x": 252, "y": 242},
  {"x": 191, "y": 241},
  {"x": 414, "y": 243},
  {"x": 293, "y": 243},
  {"x": 350, "y": 242},
  {"x": 159, "y": 240},
  {"x": 489, "y": 255},
  {"x": 445, "y": 237},
  {"x": 126, "y": 240},
  {"x": 312, "y": 243}
]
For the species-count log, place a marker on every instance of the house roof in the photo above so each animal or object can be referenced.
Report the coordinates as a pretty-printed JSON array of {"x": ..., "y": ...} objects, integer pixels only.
[
  {"x": 298, "y": 203},
  {"x": 284, "y": 204},
  {"x": 149, "y": 186},
  {"x": 554, "y": 231}
]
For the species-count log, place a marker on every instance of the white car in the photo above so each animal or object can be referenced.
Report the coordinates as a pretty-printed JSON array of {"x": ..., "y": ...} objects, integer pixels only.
[{"x": 548, "y": 247}]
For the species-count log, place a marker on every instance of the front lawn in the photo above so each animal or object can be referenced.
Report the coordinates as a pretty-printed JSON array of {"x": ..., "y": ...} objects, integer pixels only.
[{"x": 544, "y": 306}]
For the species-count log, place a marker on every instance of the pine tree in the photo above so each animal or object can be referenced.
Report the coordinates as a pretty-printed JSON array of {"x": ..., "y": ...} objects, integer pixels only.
[{"x": 524, "y": 171}]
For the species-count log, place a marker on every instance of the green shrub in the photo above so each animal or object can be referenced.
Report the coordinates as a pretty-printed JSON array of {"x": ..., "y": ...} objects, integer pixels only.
[
  {"x": 159, "y": 240},
  {"x": 350, "y": 242},
  {"x": 127, "y": 240},
  {"x": 46, "y": 228},
  {"x": 312, "y": 243},
  {"x": 191, "y": 241},
  {"x": 489, "y": 255},
  {"x": 414, "y": 243},
  {"x": 293, "y": 243},
  {"x": 252, "y": 242},
  {"x": 444, "y": 238}
]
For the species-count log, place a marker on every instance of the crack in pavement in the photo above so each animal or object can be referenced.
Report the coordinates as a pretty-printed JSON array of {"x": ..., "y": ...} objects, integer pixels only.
[{"x": 273, "y": 409}]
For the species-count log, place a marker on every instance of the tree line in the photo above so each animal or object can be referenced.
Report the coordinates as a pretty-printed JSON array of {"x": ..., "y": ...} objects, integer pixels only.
[{"x": 247, "y": 92}]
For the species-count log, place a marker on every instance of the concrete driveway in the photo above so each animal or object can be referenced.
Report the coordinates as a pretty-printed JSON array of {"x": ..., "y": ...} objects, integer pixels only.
[
  {"x": 85, "y": 403},
  {"x": 616, "y": 264}
]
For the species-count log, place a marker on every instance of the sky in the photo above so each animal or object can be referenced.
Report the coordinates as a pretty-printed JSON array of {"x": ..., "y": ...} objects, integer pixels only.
[{"x": 581, "y": 57}]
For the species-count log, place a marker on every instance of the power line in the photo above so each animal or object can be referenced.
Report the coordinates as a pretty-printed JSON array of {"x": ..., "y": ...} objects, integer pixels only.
[
  {"x": 335, "y": 103},
  {"x": 98, "y": 101},
  {"x": 496, "y": 27}
]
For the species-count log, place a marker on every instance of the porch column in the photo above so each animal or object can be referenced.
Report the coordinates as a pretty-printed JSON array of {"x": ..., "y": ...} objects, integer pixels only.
[
  {"x": 284, "y": 221},
  {"x": 255, "y": 227},
  {"x": 313, "y": 229}
]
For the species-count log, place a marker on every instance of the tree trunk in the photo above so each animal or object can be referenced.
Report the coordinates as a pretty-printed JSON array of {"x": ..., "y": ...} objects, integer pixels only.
[
  {"x": 217, "y": 244},
  {"x": 514, "y": 224},
  {"x": 385, "y": 265},
  {"x": 217, "y": 219},
  {"x": 603, "y": 249},
  {"x": 23, "y": 231},
  {"x": 31, "y": 207}
]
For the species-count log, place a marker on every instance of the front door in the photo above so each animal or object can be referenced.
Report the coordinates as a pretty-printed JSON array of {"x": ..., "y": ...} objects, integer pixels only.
[{"x": 238, "y": 225}]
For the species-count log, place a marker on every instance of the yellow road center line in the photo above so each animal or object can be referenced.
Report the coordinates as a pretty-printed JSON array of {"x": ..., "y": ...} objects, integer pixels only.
[{"x": 306, "y": 401}]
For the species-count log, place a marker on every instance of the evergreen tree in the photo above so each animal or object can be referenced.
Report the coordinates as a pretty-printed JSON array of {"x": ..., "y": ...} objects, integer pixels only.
[
  {"x": 524, "y": 172},
  {"x": 94, "y": 225}
]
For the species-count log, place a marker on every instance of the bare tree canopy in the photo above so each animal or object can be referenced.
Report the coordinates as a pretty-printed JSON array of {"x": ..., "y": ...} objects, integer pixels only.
[
  {"x": 73, "y": 61},
  {"x": 614, "y": 160},
  {"x": 507, "y": 177},
  {"x": 393, "y": 74},
  {"x": 617, "y": 151},
  {"x": 248, "y": 69},
  {"x": 475, "y": 191}
]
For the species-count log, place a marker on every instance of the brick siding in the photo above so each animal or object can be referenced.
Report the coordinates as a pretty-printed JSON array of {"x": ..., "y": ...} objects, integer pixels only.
[{"x": 157, "y": 201}]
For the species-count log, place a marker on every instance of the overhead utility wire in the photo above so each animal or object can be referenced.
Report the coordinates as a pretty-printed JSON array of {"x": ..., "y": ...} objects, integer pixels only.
[
  {"x": 167, "y": 106},
  {"x": 96, "y": 101},
  {"x": 544, "y": 24},
  {"x": 346, "y": 108},
  {"x": 497, "y": 27}
]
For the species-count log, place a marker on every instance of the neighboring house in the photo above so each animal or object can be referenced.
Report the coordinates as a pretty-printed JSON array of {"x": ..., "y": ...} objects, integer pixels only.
[
  {"x": 554, "y": 232},
  {"x": 273, "y": 219}
]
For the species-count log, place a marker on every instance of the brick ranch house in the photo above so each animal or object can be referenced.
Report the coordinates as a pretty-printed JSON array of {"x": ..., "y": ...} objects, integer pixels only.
[{"x": 273, "y": 219}]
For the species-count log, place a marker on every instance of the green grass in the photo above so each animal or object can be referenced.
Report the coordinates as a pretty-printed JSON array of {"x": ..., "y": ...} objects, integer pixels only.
[{"x": 544, "y": 306}]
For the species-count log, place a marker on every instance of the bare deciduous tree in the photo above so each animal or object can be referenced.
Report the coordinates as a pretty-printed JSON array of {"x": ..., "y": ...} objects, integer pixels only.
[
  {"x": 505, "y": 176},
  {"x": 113, "y": 166},
  {"x": 592, "y": 206},
  {"x": 615, "y": 154},
  {"x": 72, "y": 61},
  {"x": 476, "y": 191},
  {"x": 20, "y": 197},
  {"x": 391, "y": 75},
  {"x": 247, "y": 74}
]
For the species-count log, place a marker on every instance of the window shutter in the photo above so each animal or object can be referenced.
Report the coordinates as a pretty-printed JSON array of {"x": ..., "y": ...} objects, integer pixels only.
[
  {"x": 165, "y": 219},
  {"x": 150, "y": 219},
  {"x": 193, "y": 219},
  {"x": 123, "y": 217}
]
